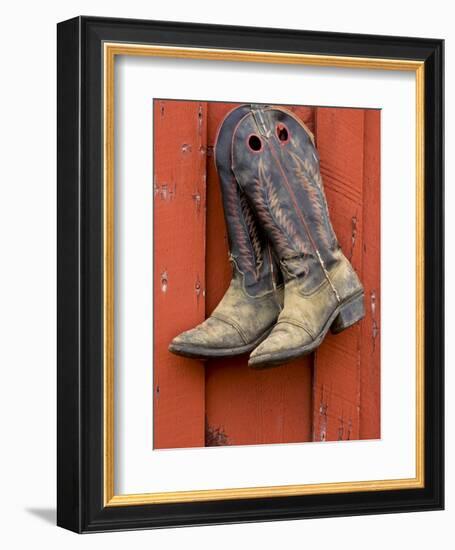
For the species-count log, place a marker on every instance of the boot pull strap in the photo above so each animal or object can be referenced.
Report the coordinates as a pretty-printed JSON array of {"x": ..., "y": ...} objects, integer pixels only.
[{"x": 258, "y": 116}]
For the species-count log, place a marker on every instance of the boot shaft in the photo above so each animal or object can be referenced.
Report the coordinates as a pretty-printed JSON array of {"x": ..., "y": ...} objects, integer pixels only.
[
  {"x": 275, "y": 161},
  {"x": 250, "y": 251}
]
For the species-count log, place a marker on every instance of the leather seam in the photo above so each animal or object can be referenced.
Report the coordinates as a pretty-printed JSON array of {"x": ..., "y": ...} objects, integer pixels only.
[
  {"x": 232, "y": 323},
  {"x": 297, "y": 324},
  {"x": 322, "y": 284}
]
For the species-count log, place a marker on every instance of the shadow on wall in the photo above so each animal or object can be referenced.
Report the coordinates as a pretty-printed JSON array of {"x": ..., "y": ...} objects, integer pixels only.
[{"x": 49, "y": 515}]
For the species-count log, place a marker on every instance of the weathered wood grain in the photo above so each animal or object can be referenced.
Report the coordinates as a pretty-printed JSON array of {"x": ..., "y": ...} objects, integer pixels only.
[
  {"x": 180, "y": 137},
  {"x": 370, "y": 378},
  {"x": 337, "y": 362}
]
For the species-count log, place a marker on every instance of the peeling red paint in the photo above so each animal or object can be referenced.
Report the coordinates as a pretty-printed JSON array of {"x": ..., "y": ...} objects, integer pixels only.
[
  {"x": 374, "y": 324},
  {"x": 200, "y": 119},
  {"x": 164, "y": 191},
  {"x": 215, "y": 436},
  {"x": 197, "y": 199},
  {"x": 198, "y": 288},
  {"x": 353, "y": 235},
  {"x": 323, "y": 418},
  {"x": 164, "y": 281}
]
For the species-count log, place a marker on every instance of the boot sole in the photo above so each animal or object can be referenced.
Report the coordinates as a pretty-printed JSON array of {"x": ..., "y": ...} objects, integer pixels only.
[
  {"x": 199, "y": 352},
  {"x": 344, "y": 316}
]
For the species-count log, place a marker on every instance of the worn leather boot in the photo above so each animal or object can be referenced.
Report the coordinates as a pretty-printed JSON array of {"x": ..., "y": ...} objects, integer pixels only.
[
  {"x": 252, "y": 303},
  {"x": 276, "y": 164}
]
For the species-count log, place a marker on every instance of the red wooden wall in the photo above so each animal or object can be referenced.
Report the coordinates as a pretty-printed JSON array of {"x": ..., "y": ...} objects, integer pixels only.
[
  {"x": 332, "y": 394},
  {"x": 180, "y": 138}
]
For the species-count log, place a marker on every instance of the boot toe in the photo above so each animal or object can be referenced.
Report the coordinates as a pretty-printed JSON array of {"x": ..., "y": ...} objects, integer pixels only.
[
  {"x": 284, "y": 343},
  {"x": 213, "y": 334}
]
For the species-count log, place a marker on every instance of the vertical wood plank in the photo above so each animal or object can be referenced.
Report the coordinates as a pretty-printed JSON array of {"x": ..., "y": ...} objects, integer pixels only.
[
  {"x": 180, "y": 137},
  {"x": 370, "y": 350},
  {"x": 305, "y": 114},
  {"x": 244, "y": 406},
  {"x": 337, "y": 363}
]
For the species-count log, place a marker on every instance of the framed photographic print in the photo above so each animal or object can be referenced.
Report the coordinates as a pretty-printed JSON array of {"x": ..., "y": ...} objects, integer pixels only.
[{"x": 250, "y": 274}]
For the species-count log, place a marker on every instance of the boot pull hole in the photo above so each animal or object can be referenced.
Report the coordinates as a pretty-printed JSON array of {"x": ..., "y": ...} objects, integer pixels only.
[
  {"x": 254, "y": 142},
  {"x": 282, "y": 133}
]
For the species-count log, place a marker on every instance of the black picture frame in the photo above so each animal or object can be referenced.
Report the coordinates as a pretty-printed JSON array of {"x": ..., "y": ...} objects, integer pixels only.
[{"x": 80, "y": 282}]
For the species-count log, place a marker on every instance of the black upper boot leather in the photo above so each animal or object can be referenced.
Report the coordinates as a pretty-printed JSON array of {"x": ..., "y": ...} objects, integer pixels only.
[
  {"x": 251, "y": 304},
  {"x": 276, "y": 164}
]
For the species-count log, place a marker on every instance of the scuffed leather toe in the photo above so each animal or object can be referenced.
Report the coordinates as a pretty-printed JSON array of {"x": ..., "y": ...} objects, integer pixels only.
[
  {"x": 213, "y": 333},
  {"x": 280, "y": 346}
]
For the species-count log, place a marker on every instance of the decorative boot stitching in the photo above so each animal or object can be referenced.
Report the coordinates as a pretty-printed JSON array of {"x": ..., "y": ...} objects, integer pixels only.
[
  {"x": 282, "y": 229},
  {"x": 323, "y": 230},
  {"x": 305, "y": 225},
  {"x": 253, "y": 232},
  {"x": 246, "y": 253}
]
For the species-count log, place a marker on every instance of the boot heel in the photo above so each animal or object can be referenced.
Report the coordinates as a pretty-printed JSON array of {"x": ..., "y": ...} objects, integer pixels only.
[{"x": 349, "y": 314}]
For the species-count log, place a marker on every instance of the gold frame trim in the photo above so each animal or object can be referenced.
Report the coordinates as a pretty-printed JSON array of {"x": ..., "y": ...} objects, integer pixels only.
[{"x": 110, "y": 50}]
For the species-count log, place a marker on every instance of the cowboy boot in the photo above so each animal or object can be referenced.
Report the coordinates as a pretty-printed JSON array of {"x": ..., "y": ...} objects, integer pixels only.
[
  {"x": 251, "y": 304},
  {"x": 276, "y": 164}
]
